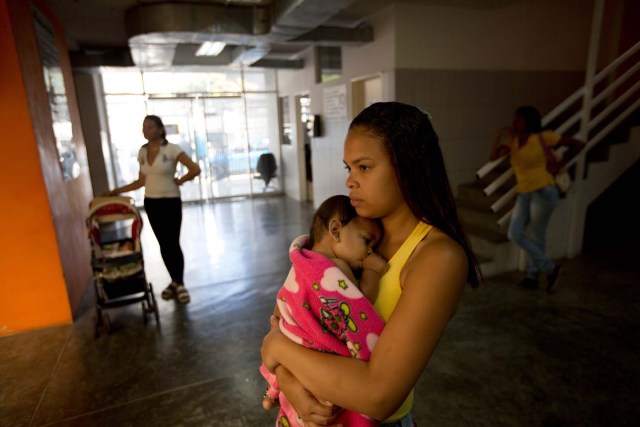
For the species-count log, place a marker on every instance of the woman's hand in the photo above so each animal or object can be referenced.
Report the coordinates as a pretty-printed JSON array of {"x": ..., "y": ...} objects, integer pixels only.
[
  {"x": 312, "y": 411},
  {"x": 505, "y": 132},
  {"x": 376, "y": 263},
  {"x": 499, "y": 147}
]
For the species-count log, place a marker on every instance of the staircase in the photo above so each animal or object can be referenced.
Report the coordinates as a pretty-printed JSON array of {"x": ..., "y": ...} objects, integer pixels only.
[
  {"x": 605, "y": 113},
  {"x": 496, "y": 254},
  {"x": 488, "y": 239}
]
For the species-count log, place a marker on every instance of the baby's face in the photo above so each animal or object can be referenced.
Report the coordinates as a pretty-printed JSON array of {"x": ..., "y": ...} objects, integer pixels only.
[{"x": 357, "y": 240}]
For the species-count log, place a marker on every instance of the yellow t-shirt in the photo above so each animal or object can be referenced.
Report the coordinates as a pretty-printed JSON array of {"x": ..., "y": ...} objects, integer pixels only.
[
  {"x": 529, "y": 162},
  {"x": 390, "y": 291}
]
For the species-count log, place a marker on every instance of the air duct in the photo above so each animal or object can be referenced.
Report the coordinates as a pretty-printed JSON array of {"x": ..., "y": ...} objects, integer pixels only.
[
  {"x": 253, "y": 30},
  {"x": 243, "y": 55},
  {"x": 152, "y": 56}
]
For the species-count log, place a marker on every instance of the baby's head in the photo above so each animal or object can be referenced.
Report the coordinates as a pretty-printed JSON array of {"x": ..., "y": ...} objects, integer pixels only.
[{"x": 353, "y": 236}]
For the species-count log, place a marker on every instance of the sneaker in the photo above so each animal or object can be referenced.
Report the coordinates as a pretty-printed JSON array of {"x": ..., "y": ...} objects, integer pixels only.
[
  {"x": 552, "y": 278},
  {"x": 528, "y": 283}
]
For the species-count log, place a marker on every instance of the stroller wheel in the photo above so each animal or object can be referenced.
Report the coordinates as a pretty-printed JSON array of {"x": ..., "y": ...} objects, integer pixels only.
[
  {"x": 155, "y": 305},
  {"x": 103, "y": 324},
  {"x": 145, "y": 311}
]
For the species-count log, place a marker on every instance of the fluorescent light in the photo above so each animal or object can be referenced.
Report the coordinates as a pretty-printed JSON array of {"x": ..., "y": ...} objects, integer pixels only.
[{"x": 210, "y": 48}]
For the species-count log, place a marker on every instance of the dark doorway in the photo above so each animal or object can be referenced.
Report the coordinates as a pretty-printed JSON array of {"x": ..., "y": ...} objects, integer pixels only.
[{"x": 612, "y": 220}]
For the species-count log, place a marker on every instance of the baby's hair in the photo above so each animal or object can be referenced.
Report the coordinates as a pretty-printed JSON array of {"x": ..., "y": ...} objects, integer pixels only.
[{"x": 335, "y": 207}]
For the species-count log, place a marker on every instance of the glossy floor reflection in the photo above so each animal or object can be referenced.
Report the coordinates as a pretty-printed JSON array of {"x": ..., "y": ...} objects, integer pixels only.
[{"x": 508, "y": 358}]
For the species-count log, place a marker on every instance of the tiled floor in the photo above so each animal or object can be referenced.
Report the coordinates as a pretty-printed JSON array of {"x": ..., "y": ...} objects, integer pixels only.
[{"x": 508, "y": 358}]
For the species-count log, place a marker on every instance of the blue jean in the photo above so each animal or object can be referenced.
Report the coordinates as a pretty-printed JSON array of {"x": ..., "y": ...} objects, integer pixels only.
[
  {"x": 528, "y": 227},
  {"x": 406, "y": 421}
]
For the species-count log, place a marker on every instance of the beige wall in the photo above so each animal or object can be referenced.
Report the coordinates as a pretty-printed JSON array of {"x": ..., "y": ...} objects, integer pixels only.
[
  {"x": 525, "y": 35},
  {"x": 470, "y": 67},
  {"x": 291, "y": 84},
  {"x": 377, "y": 56},
  {"x": 357, "y": 62},
  {"x": 468, "y": 106}
]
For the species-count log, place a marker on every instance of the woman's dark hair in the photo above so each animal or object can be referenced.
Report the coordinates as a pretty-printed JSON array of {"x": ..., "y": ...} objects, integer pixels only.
[
  {"x": 531, "y": 117},
  {"x": 334, "y": 207},
  {"x": 158, "y": 121},
  {"x": 412, "y": 144}
]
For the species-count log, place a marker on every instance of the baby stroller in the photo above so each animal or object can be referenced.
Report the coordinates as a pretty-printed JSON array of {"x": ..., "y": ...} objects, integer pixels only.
[{"x": 114, "y": 225}]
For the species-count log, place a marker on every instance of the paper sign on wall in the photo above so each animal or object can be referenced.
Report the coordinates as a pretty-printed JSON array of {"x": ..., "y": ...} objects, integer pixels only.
[{"x": 335, "y": 102}]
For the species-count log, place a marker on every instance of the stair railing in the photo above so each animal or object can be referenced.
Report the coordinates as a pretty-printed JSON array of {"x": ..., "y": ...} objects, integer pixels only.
[{"x": 588, "y": 104}]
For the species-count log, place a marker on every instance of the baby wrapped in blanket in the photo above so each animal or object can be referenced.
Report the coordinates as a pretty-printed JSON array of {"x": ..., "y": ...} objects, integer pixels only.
[{"x": 323, "y": 309}]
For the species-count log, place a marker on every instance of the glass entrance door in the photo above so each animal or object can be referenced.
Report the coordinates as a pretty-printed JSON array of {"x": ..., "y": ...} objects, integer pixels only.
[
  {"x": 212, "y": 131},
  {"x": 224, "y": 119}
]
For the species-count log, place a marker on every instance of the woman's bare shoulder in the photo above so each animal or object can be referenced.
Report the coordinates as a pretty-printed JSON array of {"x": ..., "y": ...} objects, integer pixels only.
[{"x": 438, "y": 255}]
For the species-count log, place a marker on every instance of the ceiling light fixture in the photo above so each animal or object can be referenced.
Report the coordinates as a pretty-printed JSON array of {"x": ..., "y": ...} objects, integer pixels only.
[
  {"x": 152, "y": 56},
  {"x": 210, "y": 48}
]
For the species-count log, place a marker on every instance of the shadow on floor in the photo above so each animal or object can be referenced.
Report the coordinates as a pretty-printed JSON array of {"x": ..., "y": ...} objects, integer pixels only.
[{"x": 508, "y": 358}]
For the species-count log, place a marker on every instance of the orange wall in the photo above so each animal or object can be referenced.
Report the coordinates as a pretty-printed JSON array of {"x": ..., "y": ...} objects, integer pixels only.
[{"x": 45, "y": 257}]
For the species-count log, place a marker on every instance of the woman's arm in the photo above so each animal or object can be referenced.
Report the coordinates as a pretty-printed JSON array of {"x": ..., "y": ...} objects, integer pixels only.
[
  {"x": 574, "y": 147},
  {"x": 193, "y": 169},
  {"x": 499, "y": 148},
  {"x": 432, "y": 284},
  {"x": 138, "y": 183}
]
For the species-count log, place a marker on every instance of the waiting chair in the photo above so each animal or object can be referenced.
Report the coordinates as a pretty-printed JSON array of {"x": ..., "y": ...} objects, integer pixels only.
[{"x": 266, "y": 168}]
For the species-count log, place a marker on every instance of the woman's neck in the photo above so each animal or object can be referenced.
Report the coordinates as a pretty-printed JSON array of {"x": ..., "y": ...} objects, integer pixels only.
[
  {"x": 523, "y": 137},
  {"x": 397, "y": 227},
  {"x": 157, "y": 141}
]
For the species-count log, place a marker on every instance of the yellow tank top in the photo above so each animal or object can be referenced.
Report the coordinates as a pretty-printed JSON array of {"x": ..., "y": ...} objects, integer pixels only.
[
  {"x": 390, "y": 290},
  {"x": 529, "y": 161}
]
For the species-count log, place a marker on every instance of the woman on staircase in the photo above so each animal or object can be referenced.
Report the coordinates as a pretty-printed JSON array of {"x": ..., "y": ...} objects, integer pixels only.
[{"x": 526, "y": 143}]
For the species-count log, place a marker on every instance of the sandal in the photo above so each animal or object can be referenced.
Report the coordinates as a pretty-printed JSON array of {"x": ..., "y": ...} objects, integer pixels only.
[
  {"x": 182, "y": 294},
  {"x": 169, "y": 292}
]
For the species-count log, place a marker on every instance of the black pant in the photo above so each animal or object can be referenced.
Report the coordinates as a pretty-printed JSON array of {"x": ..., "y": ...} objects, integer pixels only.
[{"x": 165, "y": 217}]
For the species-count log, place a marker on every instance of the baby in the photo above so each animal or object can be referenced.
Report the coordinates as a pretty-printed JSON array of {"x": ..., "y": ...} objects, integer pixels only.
[
  {"x": 347, "y": 239},
  {"x": 326, "y": 300}
]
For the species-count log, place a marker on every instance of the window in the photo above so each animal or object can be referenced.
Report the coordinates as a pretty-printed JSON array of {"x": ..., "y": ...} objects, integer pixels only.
[
  {"x": 224, "y": 119},
  {"x": 329, "y": 60}
]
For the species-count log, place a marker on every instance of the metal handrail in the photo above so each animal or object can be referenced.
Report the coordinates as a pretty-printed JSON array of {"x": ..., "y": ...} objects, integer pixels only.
[
  {"x": 564, "y": 105},
  {"x": 613, "y": 64},
  {"x": 619, "y": 100},
  {"x": 617, "y": 82}
]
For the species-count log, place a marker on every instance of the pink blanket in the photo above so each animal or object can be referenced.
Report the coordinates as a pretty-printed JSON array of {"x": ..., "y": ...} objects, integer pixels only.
[{"x": 322, "y": 309}]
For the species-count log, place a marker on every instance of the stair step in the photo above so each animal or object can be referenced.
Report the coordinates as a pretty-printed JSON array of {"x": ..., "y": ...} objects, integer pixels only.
[
  {"x": 486, "y": 233},
  {"x": 481, "y": 217},
  {"x": 482, "y": 259},
  {"x": 471, "y": 195}
]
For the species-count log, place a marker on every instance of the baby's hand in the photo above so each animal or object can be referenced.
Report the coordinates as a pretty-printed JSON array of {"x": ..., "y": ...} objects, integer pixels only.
[{"x": 376, "y": 263}]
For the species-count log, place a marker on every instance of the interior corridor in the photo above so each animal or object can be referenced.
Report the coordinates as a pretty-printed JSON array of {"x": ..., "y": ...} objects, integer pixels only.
[{"x": 508, "y": 358}]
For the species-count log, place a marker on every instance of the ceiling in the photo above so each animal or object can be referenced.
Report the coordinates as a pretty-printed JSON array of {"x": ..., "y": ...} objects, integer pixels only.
[{"x": 106, "y": 32}]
